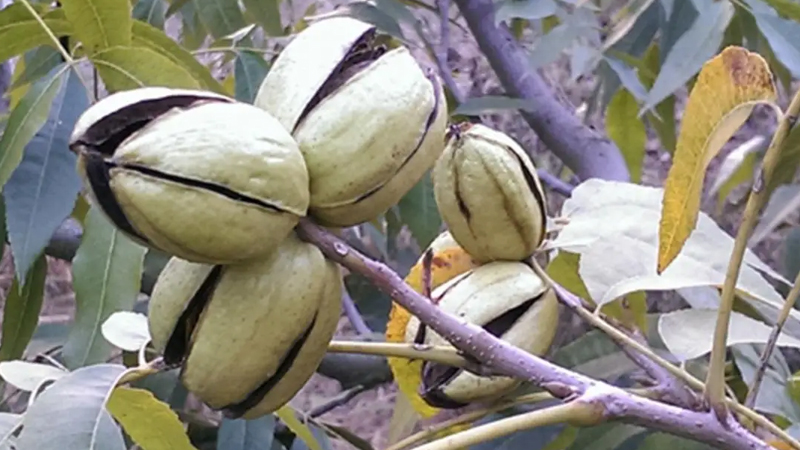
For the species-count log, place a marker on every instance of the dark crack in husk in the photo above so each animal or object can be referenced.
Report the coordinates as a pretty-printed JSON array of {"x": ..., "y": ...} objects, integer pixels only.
[
  {"x": 436, "y": 376},
  {"x": 237, "y": 410},
  {"x": 179, "y": 343},
  {"x": 98, "y": 175},
  {"x": 537, "y": 193},
  {"x": 364, "y": 52},
  {"x": 105, "y": 135},
  {"x": 428, "y": 123},
  {"x": 203, "y": 185}
]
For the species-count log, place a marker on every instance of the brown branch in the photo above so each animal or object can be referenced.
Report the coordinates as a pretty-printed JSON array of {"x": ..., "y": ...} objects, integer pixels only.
[{"x": 614, "y": 403}]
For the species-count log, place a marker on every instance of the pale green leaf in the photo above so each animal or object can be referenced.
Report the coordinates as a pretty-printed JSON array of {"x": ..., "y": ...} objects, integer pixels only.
[
  {"x": 689, "y": 333},
  {"x": 782, "y": 35},
  {"x": 737, "y": 168},
  {"x": 28, "y": 376},
  {"x": 691, "y": 51},
  {"x": 784, "y": 202},
  {"x": 42, "y": 190},
  {"x": 664, "y": 441},
  {"x": 21, "y": 312},
  {"x": 150, "y": 423},
  {"x": 145, "y": 35},
  {"x": 617, "y": 256},
  {"x": 99, "y": 24},
  {"x": 26, "y": 119},
  {"x": 627, "y": 131},
  {"x": 71, "y": 414},
  {"x": 772, "y": 396},
  {"x": 369, "y": 13},
  {"x": 303, "y": 432},
  {"x": 123, "y": 68},
  {"x": 524, "y": 9},
  {"x": 126, "y": 330},
  {"x": 106, "y": 274}
]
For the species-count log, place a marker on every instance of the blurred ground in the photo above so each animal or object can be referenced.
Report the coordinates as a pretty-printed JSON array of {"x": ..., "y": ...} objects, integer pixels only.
[{"x": 368, "y": 414}]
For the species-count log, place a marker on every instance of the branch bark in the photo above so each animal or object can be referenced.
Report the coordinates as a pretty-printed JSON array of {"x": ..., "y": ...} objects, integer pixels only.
[
  {"x": 587, "y": 153},
  {"x": 613, "y": 402}
]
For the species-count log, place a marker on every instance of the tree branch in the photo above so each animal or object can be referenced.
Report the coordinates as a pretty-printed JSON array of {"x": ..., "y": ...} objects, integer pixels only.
[
  {"x": 587, "y": 153},
  {"x": 351, "y": 311},
  {"x": 615, "y": 403}
]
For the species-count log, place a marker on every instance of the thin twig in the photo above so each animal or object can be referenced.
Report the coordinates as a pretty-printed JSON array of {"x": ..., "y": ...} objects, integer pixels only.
[
  {"x": 442, "y": 355},
  {"x": 468, "y": 417},
  {"x": 788, "y": 305},
  {"x": 351, "y": 311},
  {"x": 440, "y": 51},
  {"x": 567, "y": 412},
  {"x": 427, "y": 272},
  {"x": 715, "y": 380},
  {"x": 340, "y": 400},
  {"x": 555, "y": 183}
]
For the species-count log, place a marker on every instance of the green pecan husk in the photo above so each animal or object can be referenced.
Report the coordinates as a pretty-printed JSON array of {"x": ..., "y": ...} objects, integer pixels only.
[
  {"x": 489, "y": 195},
  {"x": 507, "y": 299},
  {"x": 248, "y": 336},
  {"x": 369, "y": 120},
  {"x": 192, "y": 173}
]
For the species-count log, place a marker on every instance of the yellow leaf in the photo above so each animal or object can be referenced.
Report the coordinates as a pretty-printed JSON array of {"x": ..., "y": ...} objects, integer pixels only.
[
  {"x": 150, "y": 423},
  {"x": 727, "y": 89},
  {"x": 287, "y": 415},
  {"x": 627, "y": 131},
  {"x": 449, "y": 260}
]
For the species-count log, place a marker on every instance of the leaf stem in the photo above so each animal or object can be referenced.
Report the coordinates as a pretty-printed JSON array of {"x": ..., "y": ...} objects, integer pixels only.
[
  {"x": 715, "y": 380},
  {"x": 552, "y": 415},
  {"x": 442, "y": 355},
  {"x": 468, "y": 417},
  {"x": 791, "y": 299},
  {"x": 64, "y": 53}
]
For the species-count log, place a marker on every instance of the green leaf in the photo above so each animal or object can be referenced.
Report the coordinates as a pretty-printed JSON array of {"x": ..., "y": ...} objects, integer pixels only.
[
  {"x": 106, "y": 273},
  {"x": 372, "y": 303},
  {"x": 791, "y": 254},
  {"x": 304, "y": 432},
  {"x": 699, "y": 44},
  {"x": 123, "y": 68},
  {"x": 266, "y": 13},
  {"x": 419, "y": 211},
  {"x": 193, "y": 32},
  {"x": 100, "y": 24},
  {"x": 41, "y": 192},
  {"x": 489, "y": 103},
  {"x": 240, "y": 434},
  {"x": 220, "y": 17},
  {"x": 26, "y": 119},
  {"x": 605, "y": 437},
  {"x": 71, "y": 414},
  {"x": 145, "y": 35},
  {"x": 595, "y": 355},
  {"x": 38, "y": 63},
  {"x": 783, "y": 202},
  {"x": 20, "y": 32},
  {"x": 149, "y": 422},
  {"x": 249, "y": 71},
  {"x": 662, "y": 118},
  {"x": 371, "y": 14},
  {"x": 627, "y": 131},
  {"x": 664, "y": 441},
  {"x": 153, "y": 12},
  {"x": 21, "y": 312}
]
